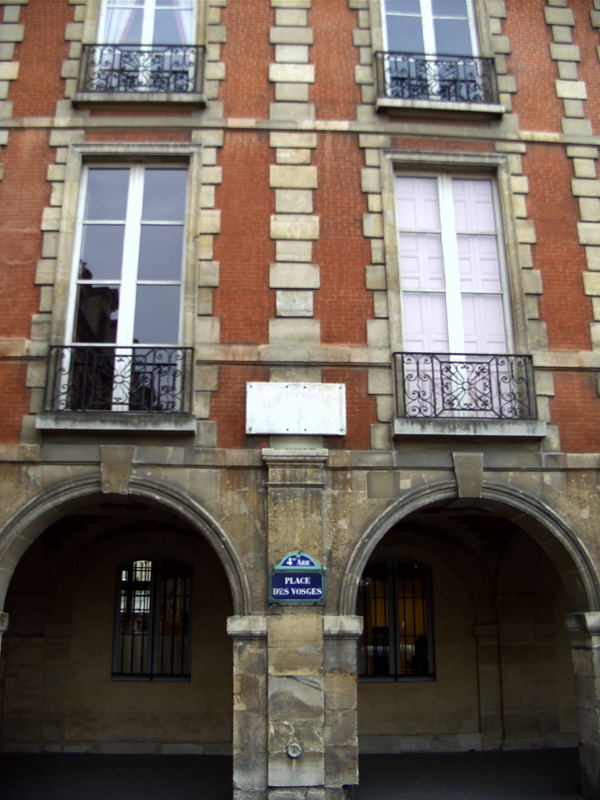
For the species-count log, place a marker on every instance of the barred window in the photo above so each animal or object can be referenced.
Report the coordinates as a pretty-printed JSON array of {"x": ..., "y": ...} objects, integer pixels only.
[
  {"x": 152, "y": 633},
  {"x": 395, "y": 602}
]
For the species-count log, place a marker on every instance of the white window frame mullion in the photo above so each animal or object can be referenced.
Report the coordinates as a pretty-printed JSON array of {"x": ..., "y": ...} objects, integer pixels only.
[
  {"x": 148, "y": 21},
  {"x": 456, "y": 334},
  {"x": 131, "y": 249},
  {"x": 428, "y": 29}
]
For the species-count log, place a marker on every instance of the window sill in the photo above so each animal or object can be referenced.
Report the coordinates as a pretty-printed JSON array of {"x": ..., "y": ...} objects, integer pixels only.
[
  {"x": 392, "y": 105},
  {"x": 146, "y": 98},
  {"x": 499, "y": 428},
  {"x": 131, "y": 422}
]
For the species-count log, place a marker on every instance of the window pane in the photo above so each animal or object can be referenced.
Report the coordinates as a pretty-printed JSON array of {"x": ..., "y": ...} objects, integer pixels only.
[
  {"x": 97, "y": 313},
  {"x": 405, "y": 34},
  {"x": 424, "y": 322},
  {"x": 479, "y": 264},
  {"x": 452, "y": 37},
  {"x": 157, "y": 315},
  {"x": 160, "y": 252},
  {"x": 421, "y": 261},
  {"x": 403, "y": 6},
  {"x": 123, "y": 22},
  {"x": 173, "y": 22},
  {"x": 473, "y": 206},
  {"x": 106, "y": 194},
  {"x": 418, "y": 205},
  {"x": 164, "y": 195},
  {"x": 449, "y": 8},
  {"x": 101, "y": 252},
  {"x": 483, "y": 320}
]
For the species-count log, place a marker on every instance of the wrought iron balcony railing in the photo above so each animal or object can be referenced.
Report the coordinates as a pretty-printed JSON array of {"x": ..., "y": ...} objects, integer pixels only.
[
  {"x": 459, "y": 386},
  {"x": 129, "y": 68},
  {"x": 455, "y": 79},
  {"x": 103, "y": 378}
]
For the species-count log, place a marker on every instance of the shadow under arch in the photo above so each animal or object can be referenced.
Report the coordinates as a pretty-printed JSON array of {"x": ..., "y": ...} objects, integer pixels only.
[
  {"x": 67, "y": 496},
  {"x": 572, "y": 561}
]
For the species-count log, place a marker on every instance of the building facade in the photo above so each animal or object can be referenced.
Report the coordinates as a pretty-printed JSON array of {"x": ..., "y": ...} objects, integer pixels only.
[{"x": 299, "y": 349}]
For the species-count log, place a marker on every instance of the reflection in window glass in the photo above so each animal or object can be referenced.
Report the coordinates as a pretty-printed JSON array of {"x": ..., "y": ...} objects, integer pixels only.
[
  {"x": 157, "y": 315},
  {"x": 106, "y": 197},
  {"x": 164, "y": 195}
]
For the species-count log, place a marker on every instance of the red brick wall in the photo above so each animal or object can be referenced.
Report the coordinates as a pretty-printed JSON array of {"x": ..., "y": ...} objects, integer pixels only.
[
  {"x": 40, "y": 55},
  {"x": 557, "y": 253},
  {"x": 243, "y": 300},
  {"x": 14, "y": 400},
  {"x": 343, "y": 305},
  {"x": 246, "y": 91},
  {"x": 588, "y": 40},
  {"x": 576, "y": 409},
  {"x": 335, "y": 92},
  {"x": 536, "y": 102},
  {"x": 228, "y": 406}
]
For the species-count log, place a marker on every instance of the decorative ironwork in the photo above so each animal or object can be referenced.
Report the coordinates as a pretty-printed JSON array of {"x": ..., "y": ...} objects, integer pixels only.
[
  {"x": 146, "y": 379},
  {"x": 140, "y": 68},
  {"x": 455, "y": 79},
  {"x": 443, "y": 385}
]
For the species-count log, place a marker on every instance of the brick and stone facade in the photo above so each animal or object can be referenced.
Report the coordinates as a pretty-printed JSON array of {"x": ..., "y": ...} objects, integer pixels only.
[{"x": 291, "y": 275}]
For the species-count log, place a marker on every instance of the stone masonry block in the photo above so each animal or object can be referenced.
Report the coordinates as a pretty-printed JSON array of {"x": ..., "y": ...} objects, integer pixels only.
[
  {"x": 531, "y": 281},
  {"x": 291, "y": 17},
  {"x": 292, "y": 251},
  {"x": 565, "y": 52},
  {"x": 294, "y": 226},
  {"x": 372, "y": 225},
  {"x": 294, "y": 276},
  {"x": 286, "y": 155},
  {"x": 292, "y": 139},
  {"x": 290, "y": 35},
  {"x": 11, "y": 32},
  {"x": 292, "y": 73},
  {"x": 559, "y": 16},
  {"x": 585, "y": 188},
  {"x": 572, "y": 90},
  {"x": 591, "y": 283},
  {"x": 589, "y": 233},
  {"x": 293, "y": 177},
  {"x": 584, "y": 167},
  {"x": 291, "y": 53},
  {"x": 292, "y": 92},
  {"x": 294, "y": 303},
  {"x": 294, "y": 201},
  {"x": 589, "y": 209}
]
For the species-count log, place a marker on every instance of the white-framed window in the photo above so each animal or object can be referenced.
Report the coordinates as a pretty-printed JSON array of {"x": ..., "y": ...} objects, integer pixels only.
[
  {"x": 127, "y": 275},
  {"x": 453, "y": 281},
  {"x": 147, "y": 22},
  {"x": 121, "y": 350},
  {"x": 430, "y": 27}
]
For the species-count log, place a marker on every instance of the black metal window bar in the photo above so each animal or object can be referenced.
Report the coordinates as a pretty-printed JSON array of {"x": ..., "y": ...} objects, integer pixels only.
[
  {"x": 141, "y": 68},
  {"x": 456, "y": 79},
  {"x": 449, "y": 385},
  {"x": 395, "y": 602},
  {"x": 122, "y": 379},
  {"x": 152, "y": 638}
]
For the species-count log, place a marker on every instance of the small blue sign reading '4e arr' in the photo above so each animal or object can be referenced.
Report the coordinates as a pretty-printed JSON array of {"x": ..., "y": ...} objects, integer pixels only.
[{"x": 297, "y": 578}]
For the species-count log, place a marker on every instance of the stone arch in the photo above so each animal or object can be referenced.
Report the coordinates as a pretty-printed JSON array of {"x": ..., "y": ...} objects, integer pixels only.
[
  {"x": 572, "y": 561},
  {"x": 67, "y": 496}
]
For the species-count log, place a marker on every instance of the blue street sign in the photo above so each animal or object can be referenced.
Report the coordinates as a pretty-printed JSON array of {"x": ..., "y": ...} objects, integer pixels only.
[{"x": 297, "y": 578}]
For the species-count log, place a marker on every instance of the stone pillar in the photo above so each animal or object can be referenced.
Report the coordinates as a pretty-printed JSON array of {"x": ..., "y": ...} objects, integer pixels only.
[
  {"x": 249, "y": 634},
  {"x": 490, "y": 685},
  {"x": 341, "y": 704},
  {"x": 584, "y": 632},
  {"x": 311, "y": 657}
]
